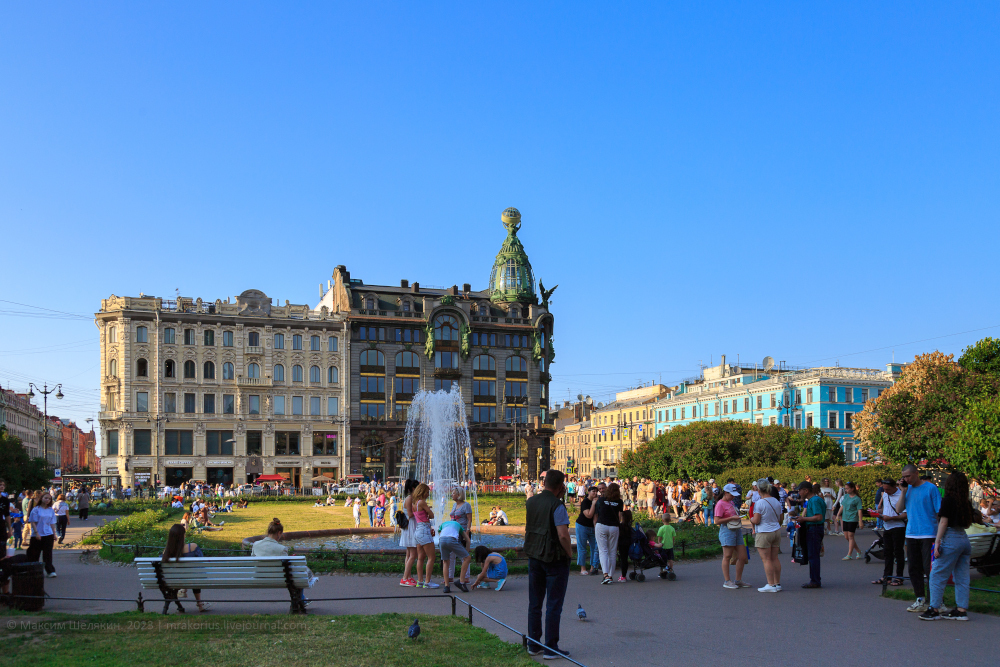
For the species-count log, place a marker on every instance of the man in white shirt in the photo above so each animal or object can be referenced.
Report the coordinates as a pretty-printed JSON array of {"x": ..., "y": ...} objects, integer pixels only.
[
  {"x": 894, "y": 535},
  {"x": 829, "y": 495}
]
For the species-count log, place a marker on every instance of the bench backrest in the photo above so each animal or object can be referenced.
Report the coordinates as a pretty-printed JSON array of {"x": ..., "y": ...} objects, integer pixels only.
[
  {"x": 981, "y": 543},
  {"x": 224, "y": 572}
]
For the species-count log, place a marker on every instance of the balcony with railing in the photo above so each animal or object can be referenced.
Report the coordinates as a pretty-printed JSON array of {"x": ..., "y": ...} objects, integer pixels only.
[
  {"x": 254, "y": 349},
  {"x": 109, "y": 415},
  {"x": 253, "y": 382}
]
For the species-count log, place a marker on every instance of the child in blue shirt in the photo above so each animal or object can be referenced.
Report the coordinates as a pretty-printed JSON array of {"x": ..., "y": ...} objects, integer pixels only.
[{"x": 17, "y": 525}]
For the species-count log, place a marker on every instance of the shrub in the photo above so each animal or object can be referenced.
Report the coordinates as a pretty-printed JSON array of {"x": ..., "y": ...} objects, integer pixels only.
[{"x": 866, "y": 477}]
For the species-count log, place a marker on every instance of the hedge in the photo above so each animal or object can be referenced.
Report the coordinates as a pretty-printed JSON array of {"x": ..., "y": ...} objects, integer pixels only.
[{"x": 866, "y": 477}]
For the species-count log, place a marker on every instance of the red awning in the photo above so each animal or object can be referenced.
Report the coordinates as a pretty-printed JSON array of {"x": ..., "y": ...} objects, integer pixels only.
[
  {"x": 506, "y": 477},
  {"x": 355, "y": 477},
  {"x": 860, "y": 463},
  {"x": 271, "y": 478}
]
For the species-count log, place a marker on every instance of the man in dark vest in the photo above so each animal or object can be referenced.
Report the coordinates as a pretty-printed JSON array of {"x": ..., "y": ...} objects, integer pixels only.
[{"x": 547, "y": 545}]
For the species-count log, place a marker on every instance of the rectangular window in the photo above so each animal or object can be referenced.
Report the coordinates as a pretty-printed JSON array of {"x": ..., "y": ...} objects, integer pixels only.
[
  {"x": 773, "y": 421},
  {"x": 228, "y": 404},
  {"x": 774, "y": 402},
  {"x": 798, "y": 396},
  {"x": 209, "y": 338},
  {"x": 209, "y": 404},
  {"x": 831, "y": 420},
  {"x": 833, "y": 394},
  {"x": 333, "y": 406},
  {"x": 179, "y": 443},
  {"x": 113, "y": 335},
  {"x": 849, "y": 421},
  {"x": 798, "y": 421},
  {"x": 189, "y": 407},
  {"x": 864, "y": 395},
  {"x": 297, "y": 342},
  {"x": 227, "y": 339},
  {"x": 809, "y": 395},
  {"x": 279, "y": 341},
  {"x": 168, "y": 336},
  {"x": 746, "y": 405},
  {"x": 254, "y": 404},
  {"x": 112, "y": 443},
  {"x": 332, "y": 344},
  {"x": 253, "y": 339},
  {"x": 725, "y": 407},
  {"x": 482, "y": 413},
  {"x": 784, "y": 421},
  {"x": 170, "y": 402},
  {"x": 683, "y": 413},
  {"x": 296, "y": 405},
  {"x": 848, "y": 394},
  {"x": 314, "y": 406},
  {"x": 484, "y": 388},
  {"x": 516, "y": 389},
  {"x": 760, "y": 402},
  {"x": 286, "y": 443},
  {"x": 324, "y": 444},
  {"x": 219, "y": 443},
  {"x": 809, "y": 420},
  {"x": 675, "y": 415},
  {"x": 314, "y": 343},
  {"x": 279, "y": 405},
  {"x": 189, "y": 336},
  {"x": 254, "y": 443},
  {"x": 140, "y": 335},
  {"x": 142, "y": 441},
  {"x": 142, "y": 401}
]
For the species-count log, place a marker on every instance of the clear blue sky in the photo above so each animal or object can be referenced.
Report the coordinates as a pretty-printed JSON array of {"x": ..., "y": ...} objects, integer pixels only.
[{"x": 800, "y": 180}]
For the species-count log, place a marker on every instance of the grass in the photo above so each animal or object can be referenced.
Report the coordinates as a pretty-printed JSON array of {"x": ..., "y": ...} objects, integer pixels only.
[
  {"x": 127, "y": 639},
  {"x": 979, "y": 602}
]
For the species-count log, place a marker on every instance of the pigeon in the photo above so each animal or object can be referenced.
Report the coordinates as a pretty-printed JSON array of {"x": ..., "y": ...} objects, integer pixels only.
[
  {"x": 414, "y": 630},
  {"x": 580, "y": 613}
]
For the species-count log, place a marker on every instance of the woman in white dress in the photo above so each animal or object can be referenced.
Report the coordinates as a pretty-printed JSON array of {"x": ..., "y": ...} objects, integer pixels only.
[{"x": 407, "y": 539}]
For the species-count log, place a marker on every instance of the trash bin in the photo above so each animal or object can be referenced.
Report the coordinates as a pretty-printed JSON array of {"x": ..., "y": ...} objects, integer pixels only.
[{"x": 28, "y": 579}]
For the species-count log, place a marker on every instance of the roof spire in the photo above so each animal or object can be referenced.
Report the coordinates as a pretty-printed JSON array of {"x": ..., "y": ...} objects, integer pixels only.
[{"x": 512, "y": 278}]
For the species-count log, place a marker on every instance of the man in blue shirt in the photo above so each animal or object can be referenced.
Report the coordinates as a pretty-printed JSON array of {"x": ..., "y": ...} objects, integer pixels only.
[
  {"x": 918, "y": 504},
  {"x": 812, "y": 522}
]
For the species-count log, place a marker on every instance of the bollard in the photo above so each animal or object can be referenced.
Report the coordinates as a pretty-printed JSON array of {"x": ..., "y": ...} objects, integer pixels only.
[
  {"x": 140, "y": 603},
  {"x": 452, "y": 605},
  {"x": 470, "y": 614}
]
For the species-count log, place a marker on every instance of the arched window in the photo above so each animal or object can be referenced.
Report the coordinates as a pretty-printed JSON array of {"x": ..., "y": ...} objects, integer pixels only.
[
  {"x": 372, "y": 358},
  {"x": 208, "y": 371},
  {"x": 516, "y": 364},
  {"x": 484, "y": 362},
  {"x": 514, "y": 312},
  {"x": 406, "y": 306},
  {"x": 314, "y": 343},
  {"x": 314, "y": 374},
  {"x": 279, "y": 373},
  {"x": 445, "y": 328},
  {"x": 113, "y": 367},
  {"x": 332, "y": 375},
  {"x": 370, "y": 303},
  {"x": 407, "y": 360},
  {"x": 253, "y": 371},
  {"x": 141, "y": 368},
  {"x": 227, "y": 371},
  {"x": 296, "y": 373},
  {"x": 188, "y": 369}
]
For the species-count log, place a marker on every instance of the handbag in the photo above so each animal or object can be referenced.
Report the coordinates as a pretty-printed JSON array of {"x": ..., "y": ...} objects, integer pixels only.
[{"x": 401, "y": 520}]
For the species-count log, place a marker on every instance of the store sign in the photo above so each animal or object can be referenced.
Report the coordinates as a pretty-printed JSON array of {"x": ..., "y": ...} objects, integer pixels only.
[
  {"x": 177, "y": 463},
  {"x": 112, "y": 471},
  {"x": 324, "y": 463},
  {"x": 285, "y": 464},
  {"x": 219, "y": 463}
]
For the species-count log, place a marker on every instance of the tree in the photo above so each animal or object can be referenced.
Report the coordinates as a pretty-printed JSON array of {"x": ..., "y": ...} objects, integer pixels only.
[
  {"x": 19, "y": 470},
  {"x": 975, "y": 449},
  {"x": 982, "y": 357},
  {"x": 812, "y": 448}
]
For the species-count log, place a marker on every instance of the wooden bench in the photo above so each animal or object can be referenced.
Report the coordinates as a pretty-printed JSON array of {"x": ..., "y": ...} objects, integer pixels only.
[{"x": 289, "y": 572}]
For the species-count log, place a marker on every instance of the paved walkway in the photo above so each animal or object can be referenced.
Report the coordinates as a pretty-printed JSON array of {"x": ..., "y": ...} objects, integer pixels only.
[{"x": 650, "y": 623}]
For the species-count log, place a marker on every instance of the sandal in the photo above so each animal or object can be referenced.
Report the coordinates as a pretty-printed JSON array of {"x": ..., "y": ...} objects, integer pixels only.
[
  {"x": 896, "y": 582},
  {"x": 882, "y": 582}
]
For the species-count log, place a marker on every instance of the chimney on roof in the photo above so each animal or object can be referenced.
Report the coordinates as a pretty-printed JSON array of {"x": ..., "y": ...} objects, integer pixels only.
[
  {"x": 466, "y": 287},
  {"x": 454, "y": 290},
  {"x": 416, "y": 287},
  {"x": 404, "y": 283}
]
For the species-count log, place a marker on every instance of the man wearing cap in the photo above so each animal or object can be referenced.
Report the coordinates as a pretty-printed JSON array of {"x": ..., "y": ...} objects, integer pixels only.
[
  {"x": 812, "y": 522},
  {"x": 894, "y": 536}
]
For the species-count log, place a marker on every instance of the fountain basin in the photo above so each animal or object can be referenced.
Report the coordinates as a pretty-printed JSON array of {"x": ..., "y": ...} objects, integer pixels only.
[{"x": 385, "y": 540}]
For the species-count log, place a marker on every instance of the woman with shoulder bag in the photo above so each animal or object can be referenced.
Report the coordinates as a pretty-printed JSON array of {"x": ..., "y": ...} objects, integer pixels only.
[
  {"x": 607, "y": 521},
  {"x": 731, "y": 535},
  {"x": 767, "y": 538},
  {"x": 407, "y": 539}
]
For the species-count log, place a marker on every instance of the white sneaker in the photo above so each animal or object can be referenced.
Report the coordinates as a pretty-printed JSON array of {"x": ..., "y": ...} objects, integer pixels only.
[
  {"x": 729, "y": 584},
  {"x": 919, "y": 606},
  {"x": 777, "y": 588},
  {"x": 767, "y": 589},
  {"x": 52, "y": 575}
]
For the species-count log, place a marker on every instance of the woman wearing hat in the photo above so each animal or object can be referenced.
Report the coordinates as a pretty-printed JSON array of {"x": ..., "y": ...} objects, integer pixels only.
[{"x": 731, "y": 536}]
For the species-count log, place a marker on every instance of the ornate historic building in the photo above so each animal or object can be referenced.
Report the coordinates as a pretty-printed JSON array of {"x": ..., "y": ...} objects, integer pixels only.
[
  {"x": 221, "y": 392},
  {"x": 224, "y": 392},
  {"x": 494, "y": 344}
]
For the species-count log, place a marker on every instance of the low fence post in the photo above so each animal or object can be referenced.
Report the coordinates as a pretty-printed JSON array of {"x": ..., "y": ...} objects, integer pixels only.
[
  {"x": 345, "y": 560},
  {"x": 683, "y": 545},
  {"x": 140, "y": 603},
  {"x": 470, "y": 614},
  {"x": 452, "y": 605}
]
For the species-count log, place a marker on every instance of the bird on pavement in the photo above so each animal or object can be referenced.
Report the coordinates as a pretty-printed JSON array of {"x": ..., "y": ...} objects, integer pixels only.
[
  {"x": 580, "y": 613},
  {"x": 414, "y": 630}
]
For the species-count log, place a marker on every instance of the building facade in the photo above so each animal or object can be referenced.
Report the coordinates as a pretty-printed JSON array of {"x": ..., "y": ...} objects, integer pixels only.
[
  {"x": 26, "y": 422},
  {"x": 224, "y": 392},
  {"x": 826, "y": 398},
  {"x": 495, "y": 345},
  {"x": 221, "y": 392}
]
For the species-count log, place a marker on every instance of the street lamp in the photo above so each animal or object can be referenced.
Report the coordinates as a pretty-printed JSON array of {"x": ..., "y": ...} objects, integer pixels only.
[
  {"x": 513, "y": 418},
  {"x": 57, "y": 390}
]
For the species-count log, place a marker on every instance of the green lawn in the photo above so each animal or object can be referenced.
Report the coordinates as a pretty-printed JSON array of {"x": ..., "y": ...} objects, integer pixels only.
[
  {"x": 979, "y": 601},
  {"x": 246, "y": 641}
]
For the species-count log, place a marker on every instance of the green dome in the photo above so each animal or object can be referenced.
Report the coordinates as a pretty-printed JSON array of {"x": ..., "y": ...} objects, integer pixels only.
[{"x": 512, "y": 279}]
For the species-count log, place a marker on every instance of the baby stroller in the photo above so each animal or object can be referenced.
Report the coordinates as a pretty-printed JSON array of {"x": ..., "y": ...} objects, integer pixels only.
[
  {"x": 644, "y": 557},
  {"x": 690, "y": 514},
  {"x": 877, "y": 549}
]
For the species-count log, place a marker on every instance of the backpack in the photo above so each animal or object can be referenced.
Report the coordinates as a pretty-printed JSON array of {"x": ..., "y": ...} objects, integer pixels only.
[{"x": 401, "y": 520}]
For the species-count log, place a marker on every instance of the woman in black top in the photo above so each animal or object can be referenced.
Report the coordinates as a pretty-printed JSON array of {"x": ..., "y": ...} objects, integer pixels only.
[
  {"x": 624, "y": 542},
  {"x": 952, "y": 550},
  {"x": 609, "y": 517},
  {"x": 585, "y": 536}
]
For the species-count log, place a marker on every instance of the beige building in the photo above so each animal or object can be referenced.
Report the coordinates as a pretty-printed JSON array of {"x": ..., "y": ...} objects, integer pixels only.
[
  {"x": 595, "y": 447},
  {"x": 221, "y": 392},
  {"x": 24, "y": 421}
]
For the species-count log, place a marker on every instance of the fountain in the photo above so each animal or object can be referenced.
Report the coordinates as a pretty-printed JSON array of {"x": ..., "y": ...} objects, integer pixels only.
[{"x": 437, "y": 450}]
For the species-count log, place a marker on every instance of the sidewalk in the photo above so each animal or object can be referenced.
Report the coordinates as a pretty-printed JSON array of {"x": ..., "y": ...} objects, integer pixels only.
[{"x": 845, "y": 622}]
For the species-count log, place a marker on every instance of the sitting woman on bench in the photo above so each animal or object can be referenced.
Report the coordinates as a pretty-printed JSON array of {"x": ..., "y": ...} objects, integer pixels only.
[
  {"x": 177, "y": 548},
  {"x": 271, "y": 546}
]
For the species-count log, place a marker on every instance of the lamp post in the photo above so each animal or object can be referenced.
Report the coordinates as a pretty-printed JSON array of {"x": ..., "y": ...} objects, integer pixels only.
[
  {"x": 513, "y": 418},
  {"x": 57, "y": 390},
  {"x": 155, "y": 470}
]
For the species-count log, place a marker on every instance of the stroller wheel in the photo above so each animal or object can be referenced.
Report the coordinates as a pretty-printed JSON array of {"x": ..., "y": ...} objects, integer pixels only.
[
  {"x": 632, "y": 575},
  {"x": 868, "y": 558},
  {"x": 662, "y": 575},
  {"x": 641, "y": 577},
  {"x": 671, "y": 576}
]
